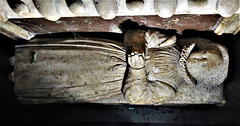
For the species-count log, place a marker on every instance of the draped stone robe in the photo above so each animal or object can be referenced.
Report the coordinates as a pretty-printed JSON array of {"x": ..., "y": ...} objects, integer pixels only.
[{"x": 86, "y": 70}]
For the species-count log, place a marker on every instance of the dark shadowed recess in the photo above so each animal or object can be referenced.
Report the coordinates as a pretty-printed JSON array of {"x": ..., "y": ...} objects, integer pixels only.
[{"x": 11, "y": 110}]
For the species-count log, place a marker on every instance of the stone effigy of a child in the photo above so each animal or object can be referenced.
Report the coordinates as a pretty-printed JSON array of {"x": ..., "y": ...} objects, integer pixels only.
[{"x": 149, "y": 68}]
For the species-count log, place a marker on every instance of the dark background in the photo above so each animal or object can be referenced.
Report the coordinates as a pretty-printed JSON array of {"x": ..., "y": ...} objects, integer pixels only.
[{"x": 12, "y": 111}]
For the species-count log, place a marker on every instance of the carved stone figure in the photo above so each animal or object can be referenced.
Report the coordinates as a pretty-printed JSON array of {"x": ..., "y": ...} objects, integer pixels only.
[
  {"x": 158, "y": 69},
  {"x": 163, "y": 69}
]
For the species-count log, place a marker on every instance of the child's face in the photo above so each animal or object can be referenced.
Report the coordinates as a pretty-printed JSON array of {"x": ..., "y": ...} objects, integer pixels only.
[{"x": 204, "y": 63}]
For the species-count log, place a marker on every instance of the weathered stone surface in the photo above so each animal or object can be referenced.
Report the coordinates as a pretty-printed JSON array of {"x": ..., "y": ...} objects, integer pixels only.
[
  {"x": 93, "y": 70},
  {"x": 97, "y": 24},
  {"x": 69, "y": 71}
]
